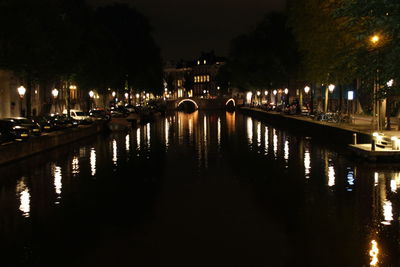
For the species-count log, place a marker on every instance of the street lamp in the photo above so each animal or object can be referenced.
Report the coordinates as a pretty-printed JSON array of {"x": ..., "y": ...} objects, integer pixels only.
[
  {"x": 307, "y": 89},
  {"x": 91, "y": 95},
  {"x": 331, "y": 87},
  {"x": 21, "y": 91},
  {"x": 55, "y": 92}
]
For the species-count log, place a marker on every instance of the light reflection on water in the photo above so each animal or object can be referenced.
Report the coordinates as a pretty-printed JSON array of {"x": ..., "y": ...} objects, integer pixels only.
[
  {"x": 275, "y": 143},
  {"x": 368, "y": 189},
  {"x": 266, "y": 141},
  {"x": 250, "y": 130},
  {"x": 75, "y": 165},
  {"x": 93, "y": 161},
  {"x": 24, "y": 197},
  {"x": 57, "y": 181},
  {"x": 307, "y": 163},
  {"x": 128, "y": 143}
]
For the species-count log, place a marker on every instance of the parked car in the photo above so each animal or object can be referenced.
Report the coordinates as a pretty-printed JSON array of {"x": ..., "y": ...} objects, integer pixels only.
[
  {"x": 99, "y": 114},
  {"x": 79, "y": 115},
  {"x": 10, "y": 131},
  {"x": 119, "y": 112},
  {"x": 62, "y": 122},
  {"x": 46, "y": 125},
  {"x": 34, "y": 127}
]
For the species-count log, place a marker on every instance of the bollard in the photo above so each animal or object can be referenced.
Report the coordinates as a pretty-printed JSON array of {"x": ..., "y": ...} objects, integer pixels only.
[
  {"x": 373, "y": 144},
  {"x": 354, "y": 139}
]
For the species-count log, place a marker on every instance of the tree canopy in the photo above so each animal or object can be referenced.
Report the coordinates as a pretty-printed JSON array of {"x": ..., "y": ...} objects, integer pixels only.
[
  {"x": 68, "y": 40},
  {"x": 265, "y": 57}
]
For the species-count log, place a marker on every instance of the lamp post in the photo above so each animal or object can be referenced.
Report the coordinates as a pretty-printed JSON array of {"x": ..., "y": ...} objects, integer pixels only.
[
  {"x": 275, "y": 92},
  {"x": 266, "y": 96},
  {"x": 258, "y": 97},
  {"x": 21, "y": 91},
  {"x": 328, "y": 90},
  {"x": 375, "y": 40},
  {"x": 91, "y": 95},
  {"x": 307, "y": 90},
  {"x": 55, "y": 93},
  {"x": 113, "y": 94},
  {"x": 286, "y": 91}
]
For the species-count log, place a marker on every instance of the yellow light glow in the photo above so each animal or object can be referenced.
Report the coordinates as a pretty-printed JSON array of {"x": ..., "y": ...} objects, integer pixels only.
[
  {"x": 375, "y": 39},
  {"x": 188, "y": 100},
  {"x": 250, "y": 130},
  {"x": 307, "y": 163},
  {"x": 115, "y": 152},
  {"x": 24, "y": 198},
  {"x": 93, "y": 161},
  {"x": 374, "y": 252}
]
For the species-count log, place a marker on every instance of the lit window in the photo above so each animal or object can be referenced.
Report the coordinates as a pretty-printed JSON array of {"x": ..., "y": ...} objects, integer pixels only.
[
  {"x": 179, "y": 83},
  {"x": 205, "y": 62},
  {"x": 208, "y": 78},
  {"x": 198, "y": 62}
]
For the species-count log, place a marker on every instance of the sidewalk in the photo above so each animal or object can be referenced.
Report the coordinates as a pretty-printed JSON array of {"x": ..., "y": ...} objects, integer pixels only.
[{"x": 361, "y": 123}]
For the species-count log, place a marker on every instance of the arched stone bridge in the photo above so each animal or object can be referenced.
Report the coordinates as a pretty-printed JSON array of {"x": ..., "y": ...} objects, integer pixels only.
[{"x": 202, "y": 103}]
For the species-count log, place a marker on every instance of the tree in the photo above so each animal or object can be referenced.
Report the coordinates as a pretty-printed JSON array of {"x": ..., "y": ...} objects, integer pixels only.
[
  {"x": 264, "y": 57},
  {"x": 138, "y": 56}
]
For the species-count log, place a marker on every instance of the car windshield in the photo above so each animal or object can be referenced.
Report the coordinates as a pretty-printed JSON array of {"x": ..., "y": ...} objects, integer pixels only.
[
  {"x": 79, "y": 113},
  {"x": 25, "y": 121}
]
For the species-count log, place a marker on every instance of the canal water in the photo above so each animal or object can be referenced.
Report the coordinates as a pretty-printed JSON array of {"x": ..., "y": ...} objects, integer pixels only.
[{"x": 200, "y": 189}]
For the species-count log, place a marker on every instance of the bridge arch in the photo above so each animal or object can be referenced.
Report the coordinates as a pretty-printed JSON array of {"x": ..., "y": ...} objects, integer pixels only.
[
  {"x": 231, "y": 101},
  {"x": 187, "y": 100}
]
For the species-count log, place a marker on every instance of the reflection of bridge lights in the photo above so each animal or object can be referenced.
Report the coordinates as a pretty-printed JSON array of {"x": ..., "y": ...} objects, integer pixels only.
[
  {"x": 93, "y": 161},
  {"x": 259, "y": 134},
  {"x": 166, "y": 132},
  {"x": 307, "y": 163},
  {"x": 138, "y": 138},
  {"x": 374, "y": 253},
  {"x": 219, "y": 131},
  {"x": 148, "y": 136},
  {"x": 331, "y": 176},
  {"x": 250, "y": 130},
  {"x": 275, "y": 144},
  {"x": 350, "y": 180},
  {"x": 266, "y": 141},
  {"x": 115, "y": 152},
  {"x": 376, "y": 178},
  {"x": 127, "y": 143}
]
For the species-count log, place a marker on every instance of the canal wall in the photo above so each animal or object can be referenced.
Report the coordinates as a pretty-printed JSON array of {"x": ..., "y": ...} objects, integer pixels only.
[
  {"x": 19, "y": 150},
  {"x": 328, "y": 132}
]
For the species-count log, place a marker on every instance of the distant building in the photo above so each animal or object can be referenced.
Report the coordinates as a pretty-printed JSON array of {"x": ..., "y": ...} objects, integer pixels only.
[{"x": 193, "y": 78}]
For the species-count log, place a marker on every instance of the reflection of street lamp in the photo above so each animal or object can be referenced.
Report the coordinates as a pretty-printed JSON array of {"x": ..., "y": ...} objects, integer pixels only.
[
  {"x": 21, "y": 91},
  {"x": 55, "y": 92}
]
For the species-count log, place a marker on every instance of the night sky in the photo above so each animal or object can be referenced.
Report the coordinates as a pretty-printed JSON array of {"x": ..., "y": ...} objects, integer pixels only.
[{"x": 184, "y": 28}]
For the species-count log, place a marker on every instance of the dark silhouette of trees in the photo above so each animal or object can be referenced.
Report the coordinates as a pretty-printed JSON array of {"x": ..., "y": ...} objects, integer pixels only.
[
  {"x": 264, "y": 57},
  {"x": 68, "y": 42}
]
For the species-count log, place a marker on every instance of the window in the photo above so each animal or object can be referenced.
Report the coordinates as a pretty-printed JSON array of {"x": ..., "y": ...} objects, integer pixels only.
[
  {"x": 179, "y": 83},
  {"x": 208, "y": 78}
]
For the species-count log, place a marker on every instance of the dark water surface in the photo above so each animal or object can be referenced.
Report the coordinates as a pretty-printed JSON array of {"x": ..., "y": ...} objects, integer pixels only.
[{"x": 200, "y": 189}]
